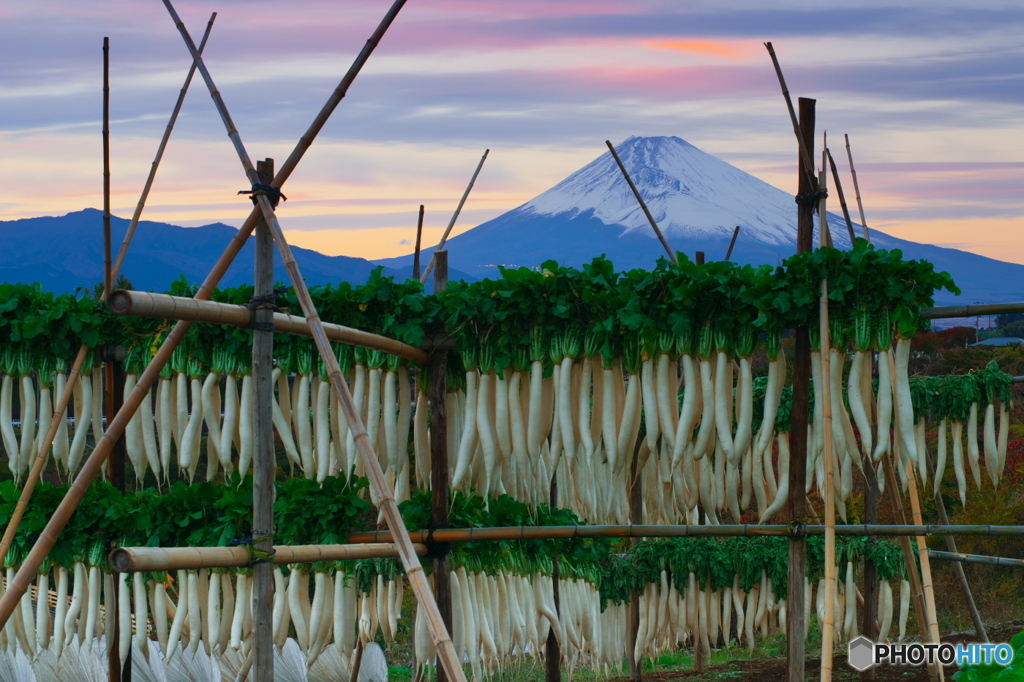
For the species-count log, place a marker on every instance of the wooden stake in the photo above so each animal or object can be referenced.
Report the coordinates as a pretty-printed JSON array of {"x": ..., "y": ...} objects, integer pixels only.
[
  {"x": 643, "y": 204},
  {"x": 636, "y": 509},
  {"x": 856, "y": 189},
  {"x": 60, "y": 408},
  {"x": 263, "y": 464},
  {"x": 108, "y": 283},
  {"x": 48, "y": 537},
  {"x": 870, "y": 625},
  {"x": 455, "y": 216},
  {"x": 842, "y": 197},
  {"x": 828, "y": 627},
  {"x": 732, "y": 243},
  {"x": 552, "y": 652},
  {"x": 419, "y": 238},
  {"x": 438, "y": 368},
  {"x": 380, "y": 487},
  {"x": 796, "y": 625}
]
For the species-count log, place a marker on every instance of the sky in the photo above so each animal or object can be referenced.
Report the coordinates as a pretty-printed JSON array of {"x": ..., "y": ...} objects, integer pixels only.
[{"x": 929, "y": 91}]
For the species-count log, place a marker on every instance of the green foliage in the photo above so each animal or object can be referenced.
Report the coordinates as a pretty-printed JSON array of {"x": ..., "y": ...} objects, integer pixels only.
[{"x": 992, "y": 672}]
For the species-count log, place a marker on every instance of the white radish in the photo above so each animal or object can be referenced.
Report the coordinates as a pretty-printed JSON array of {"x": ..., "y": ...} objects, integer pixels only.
[
  {"x": 884, "y": 406},
  {"x": 973, "y": 453}
]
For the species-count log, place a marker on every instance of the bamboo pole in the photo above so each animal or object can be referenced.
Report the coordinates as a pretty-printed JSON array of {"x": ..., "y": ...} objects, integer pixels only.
[
  {"x": 137, "y": 215},
  {"x": 264, "y": 465},
  {"x": 732, "y": 242},
  {"x": 824, "y": 233},
  {"x": 980, "y": 310},
  {"x": 856, "y": 189},
  {"x": 636, "y": 509},
  {"x": 926, "y": 570},
  {"x": 828, "y": 627},
  {"x": 842, "y": 197},
  {"x": 60, "y": 408},
  {"x": 643, "y": 205},
  {"x": 899, "y": 511},
  {"x": 805, "y": 147},
  {"x": 684, "y": 531},
  {"x": 965, "y": 587},
  {"x": 960, "y": 557},
  {"x": 455, "y": 216},
  {"x": 143, "y": 559},
  {"x": 164, "y": 306},
  {"x": 419, "y": 239},
  {"x": 76, "y": 492},
  {"x": 386, "y": 500}
]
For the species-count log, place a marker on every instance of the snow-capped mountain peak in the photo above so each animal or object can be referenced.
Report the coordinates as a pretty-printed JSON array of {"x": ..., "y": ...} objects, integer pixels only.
[{"x": 690, "y": 193}]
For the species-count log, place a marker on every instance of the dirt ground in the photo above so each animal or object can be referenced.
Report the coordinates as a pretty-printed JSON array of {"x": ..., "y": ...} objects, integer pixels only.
[{"x": 774, "y": 669}]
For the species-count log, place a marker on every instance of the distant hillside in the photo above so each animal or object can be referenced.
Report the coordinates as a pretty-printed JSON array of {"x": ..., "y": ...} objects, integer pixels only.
[{"x": 63, "y": 253}]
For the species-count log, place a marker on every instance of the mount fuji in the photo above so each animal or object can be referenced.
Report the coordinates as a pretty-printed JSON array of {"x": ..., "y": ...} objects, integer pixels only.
[{"x": 697, "y": 200}]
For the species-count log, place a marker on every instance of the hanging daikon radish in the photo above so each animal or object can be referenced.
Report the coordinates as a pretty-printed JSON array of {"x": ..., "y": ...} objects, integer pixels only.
[
  {"x": 283, "y": 427},
  {"x": 861, "y": 364},
  {"x": 389, "y": 415},
  {"x": 689, "y": 413},
  {"x": 78, "y": 596},
  {"x": 782, "y": 495},
  {"x": 630, "y": 425},
  {"x": 485, "y": 420},
  {"x": 45, "y": 376},
  {"x": 27, "y": 402},
  {"x": 8, "y": 364},
  {"x": 470, "y": 435},
  {"x": 301, "y": 414},
  {"x": 227, "y": 364},
  {"x": 187, "y": 443},
  {"x": 212, "y": 411}
]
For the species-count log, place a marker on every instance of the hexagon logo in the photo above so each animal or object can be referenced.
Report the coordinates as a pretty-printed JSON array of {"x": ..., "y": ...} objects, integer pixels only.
[{"x": 861, "y": 654}]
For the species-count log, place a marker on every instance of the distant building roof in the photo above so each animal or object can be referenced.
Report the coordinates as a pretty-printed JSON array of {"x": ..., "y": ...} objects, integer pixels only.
[{"x": 1001, "y": 341}]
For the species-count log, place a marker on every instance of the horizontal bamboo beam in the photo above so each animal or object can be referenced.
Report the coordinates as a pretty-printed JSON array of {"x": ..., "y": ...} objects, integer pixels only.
[
  {"x": 139, "y": 559},
  {"x": 945, "y": 312},
  {"x": 975, "y": 558},
  {"x": 655, "y": 531},
  {"x": 164, "y": 306}
]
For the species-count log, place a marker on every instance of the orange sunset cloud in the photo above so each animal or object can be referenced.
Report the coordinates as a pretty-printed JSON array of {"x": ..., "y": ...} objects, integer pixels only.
[{"x": 711, "y": 48}]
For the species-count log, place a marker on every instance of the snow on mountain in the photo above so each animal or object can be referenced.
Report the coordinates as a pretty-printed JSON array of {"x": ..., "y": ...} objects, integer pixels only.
[{"x": 690, "y": 193}]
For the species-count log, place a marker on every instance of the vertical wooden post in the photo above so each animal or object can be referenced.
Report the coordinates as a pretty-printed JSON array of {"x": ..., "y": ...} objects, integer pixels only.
[
  {"x": 636, "y": 510},
  {"x": 870, "y": 626},
  {"x": 114, "y": 377},
  {"x": 796, "y": 627},
  {"x": 552, "y": 652},
  {"x": 108, "y": 285},
  {"x": 264, "y": 463},
  {"x": 419, "y": 238},
  {"x": 438, "y": 369},
  {"x": 698, "y": 648}
]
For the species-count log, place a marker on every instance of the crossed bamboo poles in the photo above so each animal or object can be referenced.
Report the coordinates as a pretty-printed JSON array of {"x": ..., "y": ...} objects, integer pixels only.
[
  {"x": 48, "y": 537},
  {"x": 62, "y": 404}
]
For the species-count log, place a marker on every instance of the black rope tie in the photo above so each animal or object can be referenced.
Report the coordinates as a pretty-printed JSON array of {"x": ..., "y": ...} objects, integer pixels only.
[
  {"x": 811, "y": 199},
  {"x": 256, "y": 556},
  {"x": 435, "y": 549},
  {"x": 273, "y": 193},
  {"x": 265, "y": 302}
]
